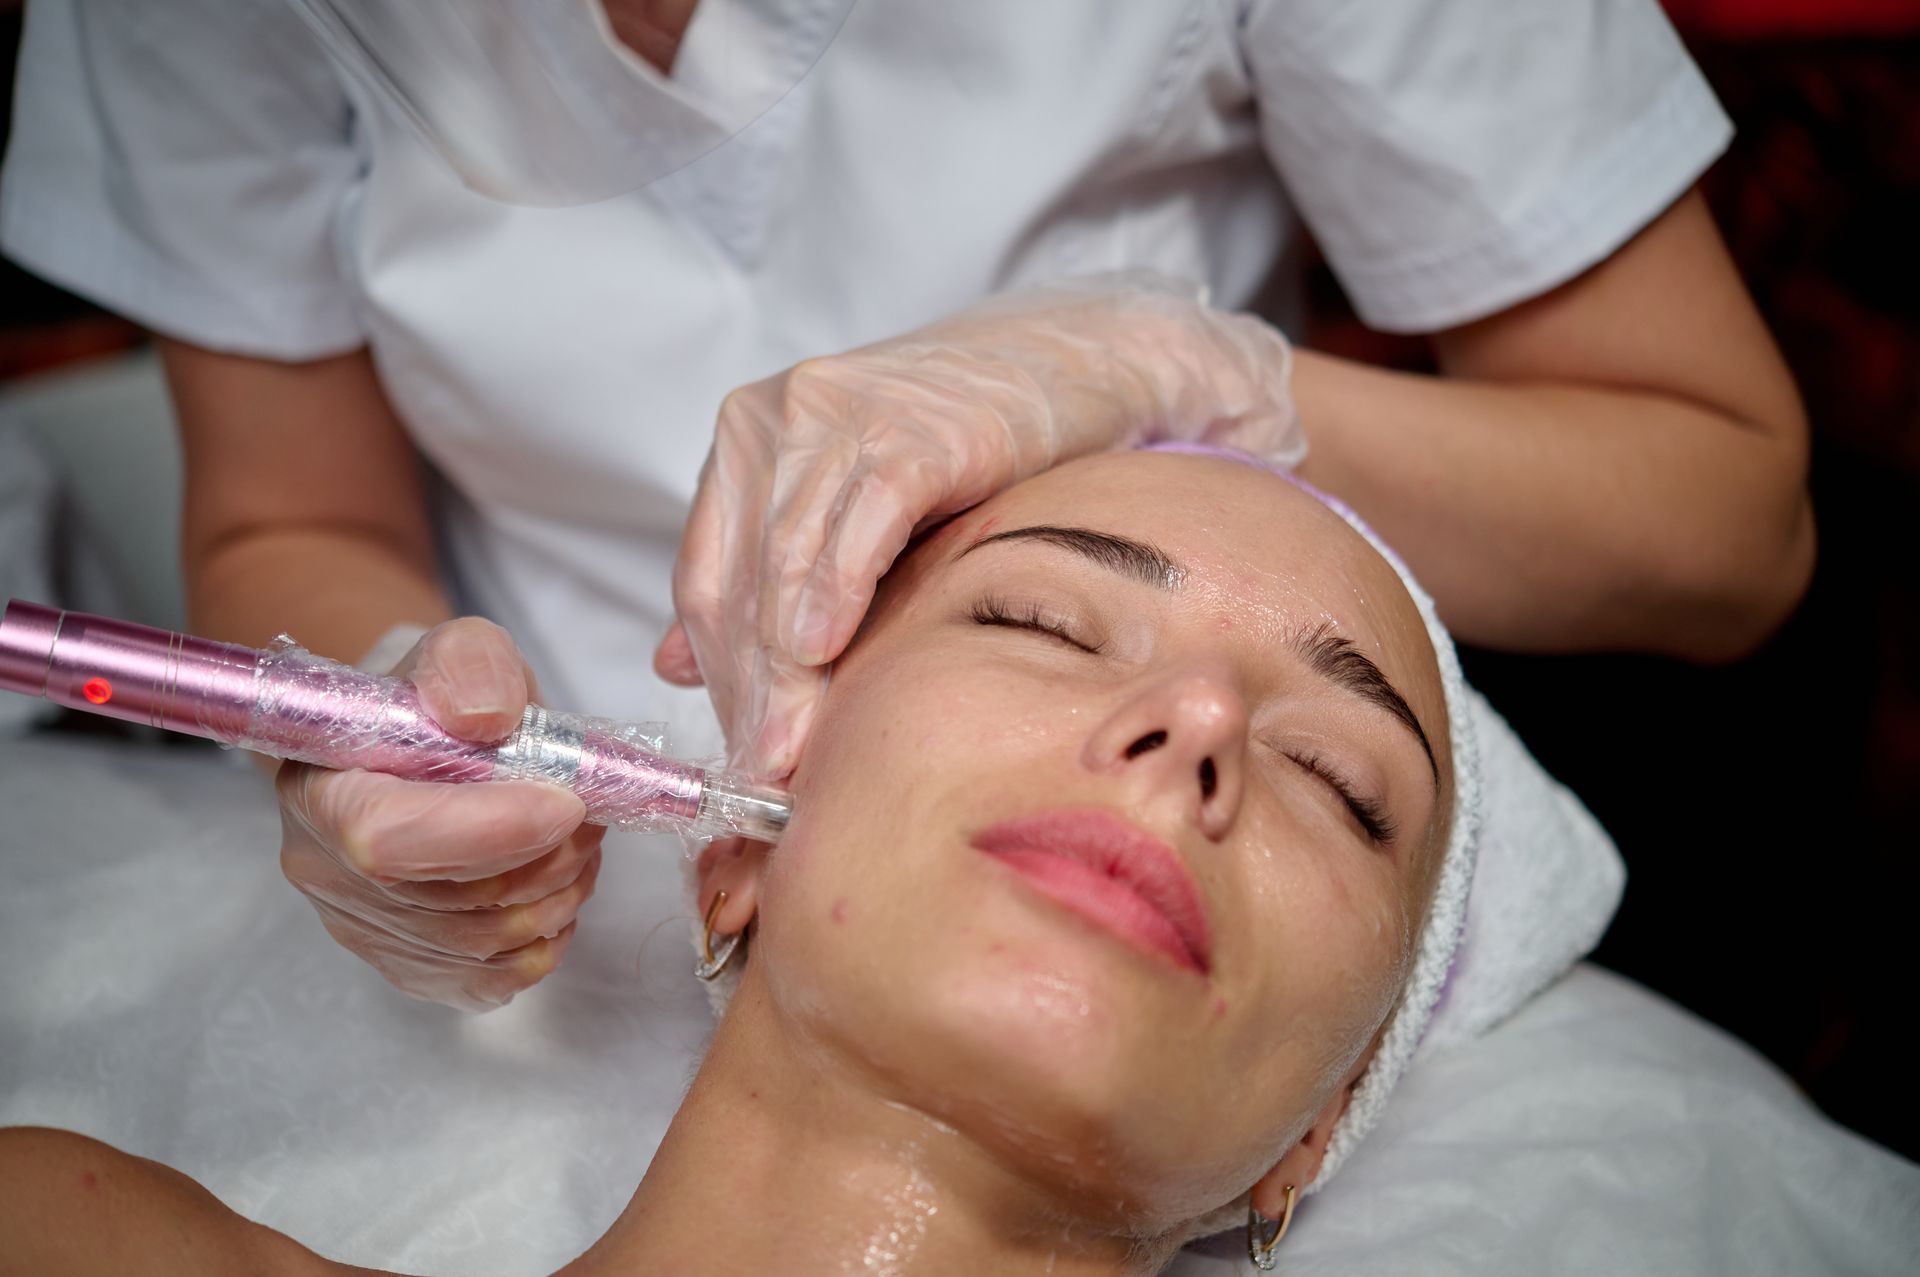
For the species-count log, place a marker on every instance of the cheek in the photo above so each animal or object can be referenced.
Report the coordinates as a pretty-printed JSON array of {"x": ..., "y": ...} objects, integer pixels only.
[
  {"x": 911, "y": 747},
  {"x": 1332, "y": 943},
  {"x": 915, "y": 709},
  {"x": 1329, "y": 968},
  {"x": 1355, "y": 960}
]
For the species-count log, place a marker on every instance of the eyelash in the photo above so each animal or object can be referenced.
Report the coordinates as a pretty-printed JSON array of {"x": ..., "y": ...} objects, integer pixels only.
[
  {"x": 1028, "y": 616},
  {"x": 1372, "y": 816}
]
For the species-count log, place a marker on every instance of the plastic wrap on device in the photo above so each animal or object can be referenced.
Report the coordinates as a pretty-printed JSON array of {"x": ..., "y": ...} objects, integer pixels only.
[
  {"x": 314, "y": 710},
  {"x": 616, "y": 769},
  {"x": 733, "y": 803}
]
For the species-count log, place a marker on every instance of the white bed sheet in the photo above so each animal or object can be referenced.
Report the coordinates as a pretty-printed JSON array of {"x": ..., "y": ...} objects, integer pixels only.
[{"x": 166, "y": 991}]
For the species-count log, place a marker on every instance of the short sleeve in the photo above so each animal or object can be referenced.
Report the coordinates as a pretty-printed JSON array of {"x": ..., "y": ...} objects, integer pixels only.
[
  {"x": 1455, "y": 157},
  {"x": 184, "y": 164}
]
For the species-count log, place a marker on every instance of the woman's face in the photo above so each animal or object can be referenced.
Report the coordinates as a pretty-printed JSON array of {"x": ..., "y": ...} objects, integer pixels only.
[{"x": 1071, "y": 867}]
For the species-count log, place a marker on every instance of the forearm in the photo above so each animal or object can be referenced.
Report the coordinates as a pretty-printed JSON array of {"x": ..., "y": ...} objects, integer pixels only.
[
  {"x": 305, "y": 513},
  {"x": 1557, "y": 517},
  {"x": 73, "y": 1207},
  {"x": 335, "y": 590}
]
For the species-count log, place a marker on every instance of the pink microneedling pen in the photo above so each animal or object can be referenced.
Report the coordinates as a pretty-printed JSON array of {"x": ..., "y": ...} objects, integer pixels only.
[{"x": 291, "y": 704}]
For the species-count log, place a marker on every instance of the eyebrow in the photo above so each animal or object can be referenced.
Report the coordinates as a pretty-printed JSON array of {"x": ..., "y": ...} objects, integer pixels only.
[
  {"x": 1334, "y": 657},
  {"x": 1327, "y": 653},
  {"x": 1147, "y": 564}
]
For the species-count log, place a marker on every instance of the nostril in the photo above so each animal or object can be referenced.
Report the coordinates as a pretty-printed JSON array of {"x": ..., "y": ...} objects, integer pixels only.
[
  {"x": 1151, "y": 741},
  {"x": 1209, "y": 778}
]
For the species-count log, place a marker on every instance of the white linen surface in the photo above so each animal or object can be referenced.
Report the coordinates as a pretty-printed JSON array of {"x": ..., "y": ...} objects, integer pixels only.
[{"x": 168, "y": 992}]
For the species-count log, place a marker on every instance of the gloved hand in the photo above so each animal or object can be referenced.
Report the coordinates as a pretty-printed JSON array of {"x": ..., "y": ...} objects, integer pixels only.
[
  {"x": 460, "y": 894},
  {"x": 818, "y": 477}
]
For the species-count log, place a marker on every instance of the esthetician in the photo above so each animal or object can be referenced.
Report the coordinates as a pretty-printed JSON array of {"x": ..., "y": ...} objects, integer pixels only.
[{"x": 449, "y": 296}]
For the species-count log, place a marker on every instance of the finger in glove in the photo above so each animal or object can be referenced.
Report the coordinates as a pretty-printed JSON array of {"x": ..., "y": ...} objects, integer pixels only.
[{"x": 386, "y": 828}]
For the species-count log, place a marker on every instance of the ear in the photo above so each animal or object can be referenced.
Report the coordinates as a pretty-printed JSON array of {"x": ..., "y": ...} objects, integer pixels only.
[
  {"x": 732, "y": 865},
  {"x": 1302, "y": 1161}
]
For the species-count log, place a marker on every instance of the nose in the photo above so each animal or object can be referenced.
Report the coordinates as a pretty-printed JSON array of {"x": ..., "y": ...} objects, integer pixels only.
[{"x": 1182, "y": 740}]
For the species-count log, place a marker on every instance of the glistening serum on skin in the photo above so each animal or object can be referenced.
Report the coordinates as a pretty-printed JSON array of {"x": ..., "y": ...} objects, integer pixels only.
[{"x": 288, "y": 703}]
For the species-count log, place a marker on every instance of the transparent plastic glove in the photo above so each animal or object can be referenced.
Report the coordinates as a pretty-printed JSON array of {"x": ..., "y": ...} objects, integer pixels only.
[
  {"x": 818, "y": 477},
  {"x": 459, "y": 894}
]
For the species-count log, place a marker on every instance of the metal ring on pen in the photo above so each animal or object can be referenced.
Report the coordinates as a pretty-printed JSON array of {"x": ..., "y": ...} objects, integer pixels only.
[{"x": 541, "y": 749}]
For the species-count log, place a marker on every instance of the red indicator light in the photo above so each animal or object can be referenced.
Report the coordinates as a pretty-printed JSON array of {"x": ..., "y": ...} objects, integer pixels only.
[{"x": 97, "y": 690}]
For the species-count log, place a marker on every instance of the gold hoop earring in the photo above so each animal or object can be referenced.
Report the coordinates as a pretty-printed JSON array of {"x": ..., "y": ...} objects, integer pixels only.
[
  {"x": 714, "y": 961},
  {"x": 1260, "y": 1247}
]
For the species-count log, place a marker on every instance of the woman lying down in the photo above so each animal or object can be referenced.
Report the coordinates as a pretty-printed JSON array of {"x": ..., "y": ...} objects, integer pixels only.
[{"x": 1128, "y": 858}]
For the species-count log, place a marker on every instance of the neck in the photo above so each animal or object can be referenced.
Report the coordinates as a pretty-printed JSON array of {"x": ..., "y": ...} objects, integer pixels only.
[
  {"x": 784, "y": 1159},
  {"x": 651, "y": 28}
]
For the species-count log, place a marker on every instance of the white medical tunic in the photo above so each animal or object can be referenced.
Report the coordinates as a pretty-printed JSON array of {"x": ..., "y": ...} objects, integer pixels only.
[{"x": 200, "y": 166}]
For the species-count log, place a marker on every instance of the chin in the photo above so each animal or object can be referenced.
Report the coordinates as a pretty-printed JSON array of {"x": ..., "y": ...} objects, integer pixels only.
[{"x": 1048, "y": 1059}]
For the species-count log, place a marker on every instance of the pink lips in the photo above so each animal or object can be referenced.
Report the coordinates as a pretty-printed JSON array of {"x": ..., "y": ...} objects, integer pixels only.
[{"x": 1111, "y": 874}]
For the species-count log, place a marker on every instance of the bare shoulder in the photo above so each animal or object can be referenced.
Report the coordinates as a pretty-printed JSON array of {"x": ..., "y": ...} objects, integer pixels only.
[{"x": 71, "y": 1206}]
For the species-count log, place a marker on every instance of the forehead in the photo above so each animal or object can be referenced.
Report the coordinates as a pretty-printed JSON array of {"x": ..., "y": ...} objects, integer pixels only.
[
  {"x": 1256, "y": 548},
  {"x": 1232, "y": 515}
]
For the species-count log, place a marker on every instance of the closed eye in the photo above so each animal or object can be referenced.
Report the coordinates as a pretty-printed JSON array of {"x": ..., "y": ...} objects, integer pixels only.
[
  {"x": 1371, "y": 813},
  {"x": 1029, "y": 616}
]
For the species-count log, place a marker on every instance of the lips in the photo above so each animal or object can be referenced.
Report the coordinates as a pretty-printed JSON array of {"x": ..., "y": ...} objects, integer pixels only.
[{"x": 1113, "y": 875}]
